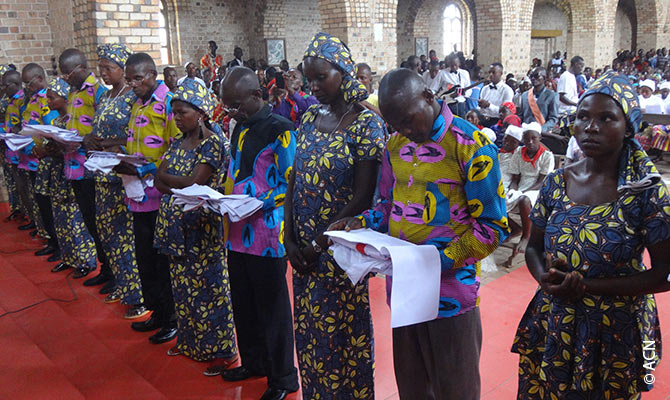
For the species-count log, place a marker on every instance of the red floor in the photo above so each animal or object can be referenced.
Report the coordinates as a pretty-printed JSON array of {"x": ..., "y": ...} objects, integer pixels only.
[{"x": 85, "y": 349}]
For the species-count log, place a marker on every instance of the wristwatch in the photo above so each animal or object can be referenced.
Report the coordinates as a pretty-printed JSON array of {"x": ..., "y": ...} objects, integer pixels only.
[{"x": 316, "y": 247}]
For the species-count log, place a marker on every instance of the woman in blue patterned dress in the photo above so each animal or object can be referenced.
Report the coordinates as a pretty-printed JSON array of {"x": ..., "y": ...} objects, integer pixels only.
[
  {"x": 75, "y": 242},
  {"x": 113, "y": 218},
  {"x": 338, "y": 154},
  {"x": 193, "y": 240},
  {"x": 587, "y": 331}
]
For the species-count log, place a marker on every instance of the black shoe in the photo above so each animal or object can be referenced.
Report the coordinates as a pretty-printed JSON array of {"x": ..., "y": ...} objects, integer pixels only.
[
  {"x": 54, "y": 257},
  {"x": 107, "y": 288},
  {"x": 81, "y": 272},
  {"x": 60, "y": 267},
  {"x": 30, "y": 225},
  {"x": 237, "y": 374},
  {"x": 145, "y": 326},
  {"x": 97, "y": 280},
  {"x": 13, "y": 215},
  {"x": 46, "y": 251},
  {"x": 274, "y": 394},
  {"x": 33, "y": 234},
  {"x": 164, "y": 335}
]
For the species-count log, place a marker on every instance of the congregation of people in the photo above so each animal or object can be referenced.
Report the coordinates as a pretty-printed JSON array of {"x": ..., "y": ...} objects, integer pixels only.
[{"x": 440, "y": 152}]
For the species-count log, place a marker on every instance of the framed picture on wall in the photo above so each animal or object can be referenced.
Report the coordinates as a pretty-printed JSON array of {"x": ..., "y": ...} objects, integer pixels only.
[
  {"x": 276, "y": 51},
  {"x": 421, "y": 46}
]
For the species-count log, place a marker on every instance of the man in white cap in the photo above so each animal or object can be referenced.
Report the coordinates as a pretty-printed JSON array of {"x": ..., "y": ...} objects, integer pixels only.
[
  {"x": 190, "y": 69},
  {"x": 511, "y": 142},
  {"x": 529, "y": 166},
  {"x": 664, "y": 89},
  {"x": 648, "y": 103}
]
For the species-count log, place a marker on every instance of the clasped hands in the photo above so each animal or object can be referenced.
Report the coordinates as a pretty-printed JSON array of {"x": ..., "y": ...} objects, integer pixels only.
[{"x": 557, "y": 281}]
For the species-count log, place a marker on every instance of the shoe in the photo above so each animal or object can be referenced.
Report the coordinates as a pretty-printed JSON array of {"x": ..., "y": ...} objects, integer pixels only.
[
  {"x": 113, "y": 297},
  {"x": 274, "y": 394},
  {"x": 54, "y": 257},
  {"x": 145, "y": 326},
  {"x": 30, "y": 225},
  {"x": 60, "y": 267},
  {"x": 136, "y": 311},
  {"x": 107, "y": 288},
  {"x": 164, "y": 335},
  {"x": 81, "y": 272},
  {"x": 45, "y": 251},
  {"x": 33, "y": 234},
  {"x": 97, "y": 280},
  {"x": 237, "y": 374},
  {"x": 13, "y": 215},
  {"x": 174, "y": 351},
  {"x": 221, "y": 365}
]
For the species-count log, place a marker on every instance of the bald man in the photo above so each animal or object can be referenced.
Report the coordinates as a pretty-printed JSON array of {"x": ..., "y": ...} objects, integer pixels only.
[
  {"x": 256, "y": 254},
  {"x": 83, "y": 100},
  {"x": 150, "y": 131},
  {"x": 442, "y": 168},
  {"x": 37, "y": 112}
]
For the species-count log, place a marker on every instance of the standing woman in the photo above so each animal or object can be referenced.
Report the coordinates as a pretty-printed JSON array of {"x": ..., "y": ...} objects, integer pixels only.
[
  {"x": 583, "y": 334},
  {"x": 193, "y": 240},
  {"x": 339, "y": 150},
  {"x": 76, "y": 245},
  {"x": 113, "y": 218}
]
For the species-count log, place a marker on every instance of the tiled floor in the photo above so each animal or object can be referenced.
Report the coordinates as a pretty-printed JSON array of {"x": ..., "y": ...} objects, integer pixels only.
[{"x": 84, "y": 349}]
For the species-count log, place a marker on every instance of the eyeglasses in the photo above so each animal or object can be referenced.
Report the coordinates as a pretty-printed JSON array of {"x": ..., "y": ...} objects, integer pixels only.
[
  {"x": 136, "y": 81},
  {"x": 66, "y": 77}
]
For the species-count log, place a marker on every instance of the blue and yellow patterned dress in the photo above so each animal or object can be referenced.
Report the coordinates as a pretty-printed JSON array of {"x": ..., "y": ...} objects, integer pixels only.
[
  {"x": 333, "y": 327},
  {"x": 593, "y": 348},
  {"x": 74, "y": 241},
  {"x": 114, "y": 219},
  {"x": 193, "y": 241}
]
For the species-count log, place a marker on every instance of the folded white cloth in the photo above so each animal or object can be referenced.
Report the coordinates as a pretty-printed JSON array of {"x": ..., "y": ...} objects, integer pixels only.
[
  {"x": 15, "y": 142},
  {"x": 135, "y": 186}
]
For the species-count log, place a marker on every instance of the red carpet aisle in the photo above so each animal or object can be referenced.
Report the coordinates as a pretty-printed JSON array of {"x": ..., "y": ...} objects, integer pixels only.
[{"x": 86, "y": 350}]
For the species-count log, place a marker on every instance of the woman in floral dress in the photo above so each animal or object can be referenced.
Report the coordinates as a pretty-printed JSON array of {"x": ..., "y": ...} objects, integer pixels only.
[
  {"x": 193, "y": 240},
  {"x": 585, "y": 331},
  {"x": 339, "y": 150}
]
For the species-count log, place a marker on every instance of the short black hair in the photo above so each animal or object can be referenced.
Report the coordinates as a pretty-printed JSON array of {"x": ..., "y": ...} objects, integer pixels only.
[
  {"x": 574, "y": 60},
  {"x": 497, "y": 64},
  {"x": 141, "y": 59}
]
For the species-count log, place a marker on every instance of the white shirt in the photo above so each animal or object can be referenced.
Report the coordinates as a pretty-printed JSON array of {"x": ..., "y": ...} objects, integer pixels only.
[
  {"x": 496, "y": 97},
  {"x": 574, "y": 152},
  {"x": 567, "y": 84},
  {"x": 461, "y": 78},
  {"x": 437, "y": 83},
  {"x": 200, "y": 81},
  {"x": 543, "y": 166},
  {"x": 652, "y": 105}
]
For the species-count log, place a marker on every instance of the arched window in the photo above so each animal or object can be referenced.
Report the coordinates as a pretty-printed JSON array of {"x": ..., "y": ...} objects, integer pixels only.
[
  {"x": 453, "y": 29},
  {"x": 163, "y": 33}
]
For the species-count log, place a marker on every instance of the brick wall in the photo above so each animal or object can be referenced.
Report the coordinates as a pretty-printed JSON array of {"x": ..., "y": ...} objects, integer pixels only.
[
  {"x": 25, "y": 34},
  {"x": 622, "y": 30},
  {"x": 304, "y": 20},
  {"x": 547, "y": 16},
  {"x": 61, "y": 22}
]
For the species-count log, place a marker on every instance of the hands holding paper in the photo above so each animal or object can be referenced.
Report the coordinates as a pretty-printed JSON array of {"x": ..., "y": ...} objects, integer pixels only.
[
  {"x": 126, "y": 168},
  {"x": 346, "y": 224}
]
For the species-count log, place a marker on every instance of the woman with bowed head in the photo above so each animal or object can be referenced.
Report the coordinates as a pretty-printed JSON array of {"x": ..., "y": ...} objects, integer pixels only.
[
  {"x": 338, "y": 154},
  {"x": 585, "y": 331}
]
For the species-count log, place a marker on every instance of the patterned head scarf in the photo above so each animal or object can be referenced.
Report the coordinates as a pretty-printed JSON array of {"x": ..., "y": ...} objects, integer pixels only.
[
  {"x": 195, "y": 94},
  {"x": 331, "y": 49},
  {"x": 619, "y": 88},
  {"x": 60, "y": 87},
  {"x": 114, "y": 52},
  {"x": 4, "y": 68}
]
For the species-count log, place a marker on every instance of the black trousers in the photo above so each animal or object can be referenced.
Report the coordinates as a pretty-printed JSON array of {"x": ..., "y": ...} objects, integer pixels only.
[
  {"x": 44, "y": 205},
  {"x": 263, "y": 320},
  {"x": 154, "y": 270},
  {"x": 84, "y": 193}
]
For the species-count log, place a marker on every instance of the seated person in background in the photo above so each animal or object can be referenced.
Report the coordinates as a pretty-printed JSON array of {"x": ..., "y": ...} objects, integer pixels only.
[
  {"x": 291, "y": 103},
  {"x": 529, "y": 166},
  {"x": 473, "y": 117},
  {"x": 648, "y": 103},
  {"x": 434, "y": 78},
  {"x": 507, "y": 117},
  {"x": 493, "y": 95},
  {"x": 541, "y": 105},
  {"x": 574, "y": 152},
  {"x": 512, "y": 140}
]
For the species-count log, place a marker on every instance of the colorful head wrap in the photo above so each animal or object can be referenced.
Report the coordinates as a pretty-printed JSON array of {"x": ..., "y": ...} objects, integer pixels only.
[
  {"x": 114, "y": 52},
  {"x": 60, "y": 87},
  {"x": 195, "y": 94},
  {"x": 619, "y": 88},
  {"x": 331, "y": 49},
  {"x": 3, "y": 68},
  {"x": 510, "y": 106}
]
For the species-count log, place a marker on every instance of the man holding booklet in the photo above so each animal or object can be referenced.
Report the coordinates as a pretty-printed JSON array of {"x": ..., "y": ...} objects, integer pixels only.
[{"x": 440, "y": 184}]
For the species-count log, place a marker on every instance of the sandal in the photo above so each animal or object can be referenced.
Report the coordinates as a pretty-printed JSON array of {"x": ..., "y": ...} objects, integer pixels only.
[{"x": 221, "y": 365}]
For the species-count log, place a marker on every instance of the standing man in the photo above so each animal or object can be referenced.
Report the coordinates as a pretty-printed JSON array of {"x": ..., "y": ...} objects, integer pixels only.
[
  {"x": 494, "y": 95},
  {"x": 457, "y": 77},
  {"x": 256, "y": 255},
  {"x": 170, "y": 78},
  {"x": 237, "y": 61},
  {"x": 459, "y": 199},
  {"x": 150, "y": 131},
  {"x": 567, "y": 86},
  {"x": 83, "y": 100},
  {"x": 191, "y": 73},
  {"x": 540, "y": 105},
  {"x": 414, "y": 64},
  {"x": 211, "y": 60},
  {"x": 364, "y": 76}
]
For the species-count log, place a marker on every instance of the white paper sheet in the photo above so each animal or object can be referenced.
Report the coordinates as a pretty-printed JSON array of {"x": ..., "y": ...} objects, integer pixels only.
[
  {"x": 134, "y": 187},
  {"x": 416, "y": 270},
  {"x": 16, "y": 142},
  {"x": 52, "y": 132},
  {"x": 236, "y": 206}
]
